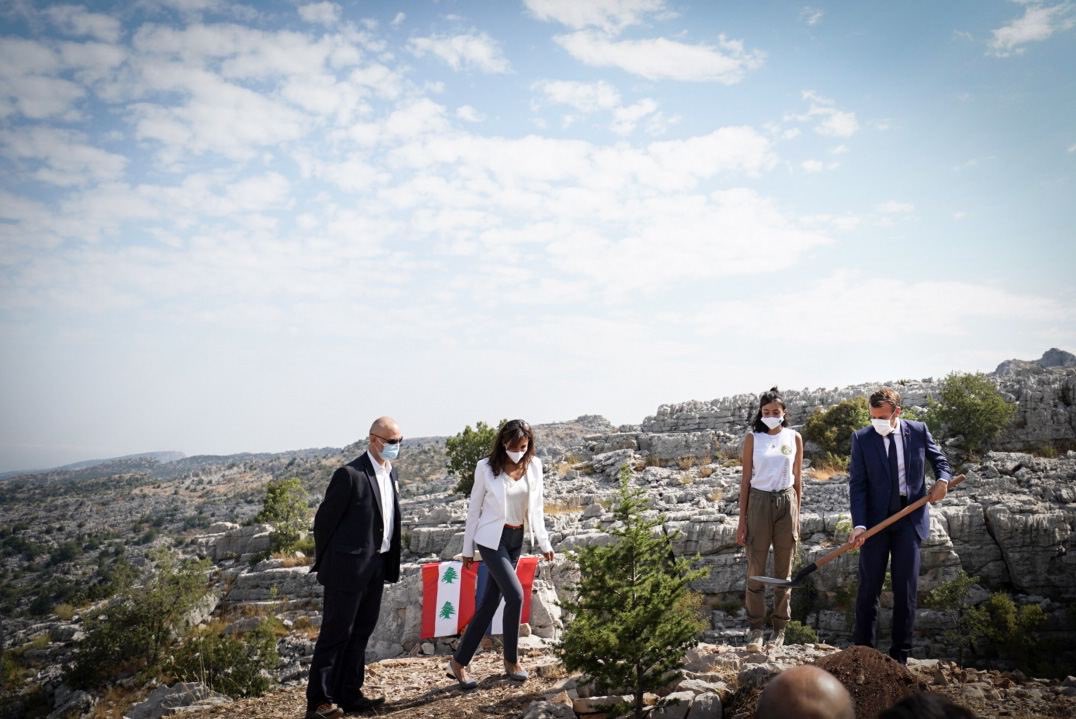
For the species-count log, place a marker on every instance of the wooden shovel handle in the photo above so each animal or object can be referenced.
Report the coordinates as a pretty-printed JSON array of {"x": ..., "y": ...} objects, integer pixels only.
[{"x": 827, "y": 558}]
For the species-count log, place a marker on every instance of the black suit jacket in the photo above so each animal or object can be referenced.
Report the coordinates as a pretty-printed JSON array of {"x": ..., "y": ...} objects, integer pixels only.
[{"x": 349, "y": 527}]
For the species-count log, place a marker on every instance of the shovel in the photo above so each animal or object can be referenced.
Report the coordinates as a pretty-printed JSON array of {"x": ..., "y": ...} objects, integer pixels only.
[{"x": 825, "y": 559}]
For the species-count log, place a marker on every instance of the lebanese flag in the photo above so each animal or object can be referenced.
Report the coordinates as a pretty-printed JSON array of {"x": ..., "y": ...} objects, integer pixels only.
[{"x": 449, "y": 595}]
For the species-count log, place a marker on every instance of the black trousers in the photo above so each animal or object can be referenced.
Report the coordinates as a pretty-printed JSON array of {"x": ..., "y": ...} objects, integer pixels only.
[
  {"x": 347, "y": 621},
  {"x": 898, "y": 548}
]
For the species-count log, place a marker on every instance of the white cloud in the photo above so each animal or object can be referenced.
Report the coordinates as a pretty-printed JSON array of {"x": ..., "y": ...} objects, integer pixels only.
[
  {"x": 1072, "y": 147},
  {"x": 61, "y": 157},
  {"x": 322, "y": 13},
  {"x": 216, "y": 116},
  {"x": 611, "y": 16},
  {"x": 469, "y": 114},
  {"x": 29, "y": 85},
  {"x": 585, "y": 97},
  {"x": 626, "y": 118},
  {"x": 398, "y": 19},
  {"x": 664, "y": 59},
  {"x": 79, "y": 22},
  {"x": 475, "y": 50},
  {"x": 959, "y": 215},
  {"x": 894, "y": 207},
  {"x": 811, "y": 15},
  {"x": 1038, "y": 23},
  {"x": 812, "y": 167},
  {"x": 828, "y": 120},
  {"x": 591, "y": 97},
  {"x": 840, "y": 150},
  {"x": 696, "y": 237},
  {"x": 843, "y": 298}
]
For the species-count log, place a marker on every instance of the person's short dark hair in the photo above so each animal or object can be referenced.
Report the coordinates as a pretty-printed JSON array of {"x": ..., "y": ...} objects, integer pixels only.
[
  {"x": 771, "y": 395},
  {"x": 927, "y": 705},
  {"x": 886, "y": 395}
]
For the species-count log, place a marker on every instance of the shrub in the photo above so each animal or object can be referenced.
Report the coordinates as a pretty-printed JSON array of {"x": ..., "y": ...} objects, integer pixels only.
[
  {"x": 286, "y": 507},
  {"x": 998, "y": 628},
  {"x": 970, "y": 406},
  {"x": 633, "y": 614},
  {"x": 129, "y": 634},
  {"x": 797, "y": 633},
  {"x": 831, "y": 429},
  {"x": 238, "y": 666},
  {"x": 951, "y": 594},
  {"x": 64, "y": 611},
  {"x": 465, "y": 449}
]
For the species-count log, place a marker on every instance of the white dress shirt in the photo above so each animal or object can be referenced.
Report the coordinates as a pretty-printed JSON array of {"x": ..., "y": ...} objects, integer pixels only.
[
  {"x": 902, "y": 476},
  {"x": 383, "y": 472}
]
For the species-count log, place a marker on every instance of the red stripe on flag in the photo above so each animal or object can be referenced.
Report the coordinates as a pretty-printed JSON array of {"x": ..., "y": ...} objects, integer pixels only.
[
  {"x": 430, "y": 574},
  {"x": 525, "y": 571},
  {"x": 467, "y": 590}
]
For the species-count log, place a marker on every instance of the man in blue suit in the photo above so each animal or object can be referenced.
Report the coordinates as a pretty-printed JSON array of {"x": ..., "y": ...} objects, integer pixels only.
[
  {"x": 357, "y": 551},
  {"x": 888, "y": 472}
]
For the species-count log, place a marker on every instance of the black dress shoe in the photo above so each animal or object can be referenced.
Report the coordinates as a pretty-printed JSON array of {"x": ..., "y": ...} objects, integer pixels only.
[{"x": 361, "y": 704}]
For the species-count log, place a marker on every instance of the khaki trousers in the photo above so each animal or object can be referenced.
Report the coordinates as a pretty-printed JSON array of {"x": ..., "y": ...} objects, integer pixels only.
[{"x": 771, "y": 519}]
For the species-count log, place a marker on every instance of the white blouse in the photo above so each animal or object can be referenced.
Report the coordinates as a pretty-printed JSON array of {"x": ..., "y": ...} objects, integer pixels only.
[{"x": 515, "y": 500}]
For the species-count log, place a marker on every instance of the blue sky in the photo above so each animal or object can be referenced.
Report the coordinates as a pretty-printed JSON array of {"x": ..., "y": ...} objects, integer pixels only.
[{"x": 230, "y": 227}]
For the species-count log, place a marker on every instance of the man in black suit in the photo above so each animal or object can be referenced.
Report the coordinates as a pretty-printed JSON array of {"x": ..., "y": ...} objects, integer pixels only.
[{"x": 357, "y": 550}]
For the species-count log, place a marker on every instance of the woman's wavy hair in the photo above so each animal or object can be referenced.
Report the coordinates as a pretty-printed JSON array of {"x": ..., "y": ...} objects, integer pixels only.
[{"x": 509, "y": 432}]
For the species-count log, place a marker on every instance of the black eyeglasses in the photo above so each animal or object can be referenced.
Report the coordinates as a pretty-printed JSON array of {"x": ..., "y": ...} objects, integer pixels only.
[{"x": 386, "y": 440}]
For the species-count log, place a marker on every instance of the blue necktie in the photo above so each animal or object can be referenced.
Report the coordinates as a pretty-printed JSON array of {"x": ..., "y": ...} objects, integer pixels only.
[{"x": 894, "y": 479}]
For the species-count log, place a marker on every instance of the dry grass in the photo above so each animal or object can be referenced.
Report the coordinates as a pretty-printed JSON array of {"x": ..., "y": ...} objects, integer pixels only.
[
  {"x": 559, "y": 508},
  {"x": 706, "y": 471},
  {"x": 826, "y": 473},
  {"x": 686, "y": 463},
  {"x": 288, "y": 559},
  {"x": 116, "y": 701}
]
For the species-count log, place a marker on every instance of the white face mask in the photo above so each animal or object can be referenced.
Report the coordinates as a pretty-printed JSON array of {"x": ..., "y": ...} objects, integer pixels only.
[
  {"x": 882, "y": 426},
  {"x": 773, "y": 422},
  {"x": 514, "y": 456}
]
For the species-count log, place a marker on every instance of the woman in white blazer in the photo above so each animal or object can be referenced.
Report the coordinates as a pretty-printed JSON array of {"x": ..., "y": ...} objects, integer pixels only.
[{"x": 506, "y": 503}]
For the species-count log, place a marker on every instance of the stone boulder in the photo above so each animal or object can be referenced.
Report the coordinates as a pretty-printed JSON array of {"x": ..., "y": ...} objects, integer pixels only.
[
  {"x": 241, "y": 542},
  {"x": 168, "y": 700}
]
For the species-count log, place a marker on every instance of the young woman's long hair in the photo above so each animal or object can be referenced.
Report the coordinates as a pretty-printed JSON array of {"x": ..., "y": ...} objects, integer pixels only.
[
  {"x": 773, "y": 395},
  {"x": 509, "y": 433}
]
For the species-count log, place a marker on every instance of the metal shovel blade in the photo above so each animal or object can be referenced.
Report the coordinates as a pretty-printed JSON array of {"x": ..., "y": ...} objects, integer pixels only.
[{"x": 796, "y": 580}]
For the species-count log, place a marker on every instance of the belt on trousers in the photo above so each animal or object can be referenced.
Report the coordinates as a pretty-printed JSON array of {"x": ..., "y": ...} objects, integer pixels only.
[
  {"x": 773, "y": 491},
  {"x": 513, "y": 526}
]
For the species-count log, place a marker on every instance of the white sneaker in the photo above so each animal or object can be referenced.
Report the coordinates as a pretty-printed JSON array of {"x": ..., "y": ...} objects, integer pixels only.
[
  {"x": 777, "y": 639},
  {"x": 754, "y": 640}
]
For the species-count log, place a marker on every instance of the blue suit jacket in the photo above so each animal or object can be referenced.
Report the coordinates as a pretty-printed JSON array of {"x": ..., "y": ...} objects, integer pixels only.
[{"x": 868, "y": 481}]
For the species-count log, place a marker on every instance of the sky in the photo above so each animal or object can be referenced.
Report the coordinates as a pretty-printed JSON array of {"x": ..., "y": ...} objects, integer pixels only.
[{"x": 238, "y": 227}]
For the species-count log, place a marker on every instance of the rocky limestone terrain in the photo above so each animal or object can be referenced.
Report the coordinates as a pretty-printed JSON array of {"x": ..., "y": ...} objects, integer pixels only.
[{"x": 1009, "y": 525}]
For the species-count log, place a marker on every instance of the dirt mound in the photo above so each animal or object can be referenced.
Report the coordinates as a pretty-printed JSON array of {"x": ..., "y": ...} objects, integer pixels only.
[{"x": 875, "y": 681}]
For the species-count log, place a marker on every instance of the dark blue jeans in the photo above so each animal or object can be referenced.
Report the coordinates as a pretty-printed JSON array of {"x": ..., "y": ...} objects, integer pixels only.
[{"x": 501, "y": 565}]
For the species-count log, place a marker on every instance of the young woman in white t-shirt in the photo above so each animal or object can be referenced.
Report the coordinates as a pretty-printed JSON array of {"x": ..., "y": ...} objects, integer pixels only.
[{"x": 770, "y": 492}]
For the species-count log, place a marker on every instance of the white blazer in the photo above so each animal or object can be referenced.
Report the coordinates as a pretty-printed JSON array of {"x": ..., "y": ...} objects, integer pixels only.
[{"x": 488, "y": 508}]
